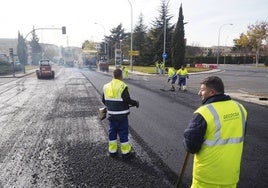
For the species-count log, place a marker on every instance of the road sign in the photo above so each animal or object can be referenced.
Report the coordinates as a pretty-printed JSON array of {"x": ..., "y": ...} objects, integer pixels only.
[
  {"x": 118, "y": 57},
  {"x": 134, "y": 53}
]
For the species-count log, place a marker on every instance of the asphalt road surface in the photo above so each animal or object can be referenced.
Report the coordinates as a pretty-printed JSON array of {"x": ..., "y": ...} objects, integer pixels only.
[
  {"x": 163, "y": 116},
  {"x": 50, "y": 135}
]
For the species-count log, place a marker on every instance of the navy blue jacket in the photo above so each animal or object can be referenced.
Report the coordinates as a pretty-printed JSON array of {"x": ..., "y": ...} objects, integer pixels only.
[{"x": 127, "y": 101}]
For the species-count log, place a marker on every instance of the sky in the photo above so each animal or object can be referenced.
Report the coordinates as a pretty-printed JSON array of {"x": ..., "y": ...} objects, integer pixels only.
[{"x": 91, "y": 20}]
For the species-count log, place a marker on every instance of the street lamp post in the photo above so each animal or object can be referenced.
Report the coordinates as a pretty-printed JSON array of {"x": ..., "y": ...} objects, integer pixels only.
[
  {"x": 131, "y": 37},
  {"x": 218, "y": 50},
  {"x": 121, "y": 53},
  {"x": 104, "y": 32},
  {"x": 164, "y": 55}
]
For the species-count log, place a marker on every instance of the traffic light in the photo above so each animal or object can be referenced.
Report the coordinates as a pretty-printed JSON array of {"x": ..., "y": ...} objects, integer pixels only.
[
  {"x": 63, "y": 29},
  {"x": 10, "y": 51}
]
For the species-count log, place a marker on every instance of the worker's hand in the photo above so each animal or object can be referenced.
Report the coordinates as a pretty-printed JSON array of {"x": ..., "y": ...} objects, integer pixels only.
[
  {"x": 168, "y": 80},
  {"x": 187, "y": 77},
  {"x": 137, "y": 104}
]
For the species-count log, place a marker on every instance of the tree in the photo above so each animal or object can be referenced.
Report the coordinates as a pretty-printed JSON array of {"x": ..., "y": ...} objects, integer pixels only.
[
  {"x": 117, "y": 36},
  {"x": 257, "y": 34},
  {"x": 178, "y": 43},
  {"x": 253, "y": 39},
  {"x": 22, "y": 51},
  {"x": 242, "y": 45},
  {"x": 156, "y": 34},
  {"x": 36, "y": 48},
  {"x": 139, "y": 41},
  {"x": 88, "y": 45},
  {"x": 50, "y": 52}
]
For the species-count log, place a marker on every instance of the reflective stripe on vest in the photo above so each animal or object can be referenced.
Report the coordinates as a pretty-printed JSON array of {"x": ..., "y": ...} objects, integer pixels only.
[
  {"x": 118, "y": 112},
  {"x": 113, "y": 99},
  {"x": 217, "y": 139}
]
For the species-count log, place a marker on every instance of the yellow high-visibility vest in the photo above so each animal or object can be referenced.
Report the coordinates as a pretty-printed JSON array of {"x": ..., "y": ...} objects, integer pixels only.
[
  {"x": 171, "y": 72},
  {"x": 181, "y": 72},
  {"x": 219, "y": 159},
  {"x": 113, "y": 99}
]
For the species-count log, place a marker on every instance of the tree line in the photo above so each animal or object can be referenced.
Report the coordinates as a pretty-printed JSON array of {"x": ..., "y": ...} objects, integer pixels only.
[{"x": 149, "y": 41}]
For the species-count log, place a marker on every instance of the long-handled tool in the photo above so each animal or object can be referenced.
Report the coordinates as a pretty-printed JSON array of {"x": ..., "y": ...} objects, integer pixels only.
[{"x": 183, "y": 169}]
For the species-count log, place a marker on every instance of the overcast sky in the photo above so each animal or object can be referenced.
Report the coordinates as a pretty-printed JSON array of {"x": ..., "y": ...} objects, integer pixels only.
[{"x": 204, "y": 17}]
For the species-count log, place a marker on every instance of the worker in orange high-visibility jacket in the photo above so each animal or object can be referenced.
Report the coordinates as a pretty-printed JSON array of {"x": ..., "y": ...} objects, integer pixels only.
[
  {"x": 215, "y": 136},
  {"x": 182, "y": 74},
  {"x": 117, "y": 101}
]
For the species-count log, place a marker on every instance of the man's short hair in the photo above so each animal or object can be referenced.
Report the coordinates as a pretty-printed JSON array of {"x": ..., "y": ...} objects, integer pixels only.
[
  {"x": 215, "y": 83},
  {"x": 118, "y": 74}
]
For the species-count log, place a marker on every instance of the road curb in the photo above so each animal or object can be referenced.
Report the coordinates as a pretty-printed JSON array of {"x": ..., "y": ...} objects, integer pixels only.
[
  {"x": 20, "y": 75},
  {"x": 249, "y": 98}
]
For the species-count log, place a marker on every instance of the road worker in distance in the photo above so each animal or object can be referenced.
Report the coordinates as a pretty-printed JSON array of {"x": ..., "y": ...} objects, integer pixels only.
[
  {"x": 182, "y": 74},
  {"x": 172, "y": 75},
  {"x": 125, "y": 72}
]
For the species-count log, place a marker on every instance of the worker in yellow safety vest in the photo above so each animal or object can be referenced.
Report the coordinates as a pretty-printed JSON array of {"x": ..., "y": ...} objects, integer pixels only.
[
  {"x": 117, "y": 100},
  {"x": 171, "y": 76},
  {"x": 215, "y": 135},
  {"x": 161, "y": 68},
  {"x": 182, "y": 74},
  {"x": 125, "y": 72}
]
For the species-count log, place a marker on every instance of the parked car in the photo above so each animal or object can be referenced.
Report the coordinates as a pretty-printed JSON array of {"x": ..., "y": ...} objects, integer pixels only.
[{"x": 45, "y": 69}]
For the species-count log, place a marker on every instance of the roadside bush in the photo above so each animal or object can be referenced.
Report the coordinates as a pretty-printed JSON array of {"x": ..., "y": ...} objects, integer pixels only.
[
  {"x": 5, "y": 68},
  {"x": 266, "y": 61}
]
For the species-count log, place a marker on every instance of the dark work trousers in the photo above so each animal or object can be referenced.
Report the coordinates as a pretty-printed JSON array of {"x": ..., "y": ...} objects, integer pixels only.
[{"x": 120, "y": 128}]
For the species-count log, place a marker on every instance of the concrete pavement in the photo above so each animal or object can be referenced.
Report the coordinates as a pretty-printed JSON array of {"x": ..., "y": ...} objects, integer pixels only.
[
  {"x": 18, "y": 74},
  {"x": 261, "y": 100}
]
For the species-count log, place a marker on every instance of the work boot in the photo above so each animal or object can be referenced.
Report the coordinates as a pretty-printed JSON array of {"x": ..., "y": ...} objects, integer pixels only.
[
  {"x": 129, "y": 155},
  {"x": 113, "y": 155}
]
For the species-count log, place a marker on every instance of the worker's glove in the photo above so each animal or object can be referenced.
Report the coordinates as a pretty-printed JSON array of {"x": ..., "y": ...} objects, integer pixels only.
[
  {"x": 168, "y": 80},
  {"x": 187, "y": 77},
  {"x": 137, "y": 104}
]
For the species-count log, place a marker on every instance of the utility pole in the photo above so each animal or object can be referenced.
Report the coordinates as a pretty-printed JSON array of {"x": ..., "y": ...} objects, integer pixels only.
[
  {"x": 164, "y": 55},
  {"x": 218, "y": 48},
  {"x": 131, "y": 37},
  {"x": 105, "y": 43}
]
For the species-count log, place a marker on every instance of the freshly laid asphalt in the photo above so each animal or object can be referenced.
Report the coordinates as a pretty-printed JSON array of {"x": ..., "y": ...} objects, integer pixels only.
[{"x": 136, "y": 173}]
